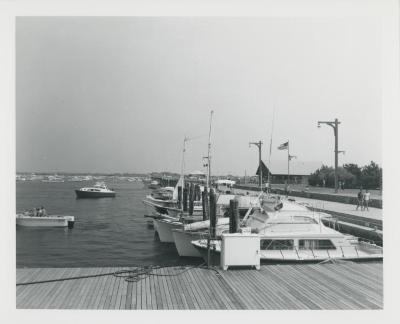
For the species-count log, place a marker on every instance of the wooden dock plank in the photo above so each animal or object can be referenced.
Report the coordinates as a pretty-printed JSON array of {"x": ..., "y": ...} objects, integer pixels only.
[
  {"x": 345, "y": 285},
  {"x": 54, "y": 288},
  {"x": 200, "y": 297},
  {"x": 35, "y": 293}
]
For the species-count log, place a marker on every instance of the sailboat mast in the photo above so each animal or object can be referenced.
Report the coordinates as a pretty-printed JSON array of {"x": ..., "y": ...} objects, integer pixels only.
[
  {"x": 209, "y": 153},
  {"x": 270, "y": 145},
  {"x": 183, "y": 168}
]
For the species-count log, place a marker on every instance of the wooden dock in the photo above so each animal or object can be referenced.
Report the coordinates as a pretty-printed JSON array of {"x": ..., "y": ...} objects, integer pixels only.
[{"x": 343, "y": 285}]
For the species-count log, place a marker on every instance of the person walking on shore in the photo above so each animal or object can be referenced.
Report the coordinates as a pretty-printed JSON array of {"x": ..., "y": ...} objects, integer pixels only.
[
  {"x": 360, "y": 199},
  {"x": 367, "y": 197}
]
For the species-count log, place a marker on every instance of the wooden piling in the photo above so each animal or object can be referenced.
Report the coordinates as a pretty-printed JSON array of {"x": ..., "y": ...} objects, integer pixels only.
[
  {"x": 191, "y": 199},
  {"x": 197, "y": 194},
  {"x": 213, "y": 214},
  {"x": 233, "y": 216},
  {"x": 185, "y": 199},
  {"x": 180, "y": 196},
  {"x": 204, "y": 201}
]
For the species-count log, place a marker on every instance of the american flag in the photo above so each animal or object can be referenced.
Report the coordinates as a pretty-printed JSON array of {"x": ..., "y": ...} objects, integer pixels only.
[{"x": 283, "y": 146}]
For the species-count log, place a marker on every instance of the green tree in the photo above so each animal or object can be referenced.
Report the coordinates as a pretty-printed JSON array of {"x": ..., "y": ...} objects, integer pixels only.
[
  {"x": 355, "y": 170},
  {"x": 371, "y": 176},
  {"x": 328, "y": 174}
]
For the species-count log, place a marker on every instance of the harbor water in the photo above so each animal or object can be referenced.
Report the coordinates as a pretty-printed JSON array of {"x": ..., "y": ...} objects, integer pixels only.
[{"x": 107, "y": 231}]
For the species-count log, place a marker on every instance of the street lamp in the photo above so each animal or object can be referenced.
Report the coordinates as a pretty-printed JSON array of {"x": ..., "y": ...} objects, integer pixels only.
[
  {"x": 258, "y": 144},
  {"x": 335, "y": 126}
]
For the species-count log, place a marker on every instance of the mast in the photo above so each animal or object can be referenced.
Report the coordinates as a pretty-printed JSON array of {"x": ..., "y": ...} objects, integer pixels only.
[
  {"x": 183, "y": 168},
  {"x": 209, "y": 153},
  {"x": 288, "y": 160},
  {"x": 270, "y": 145}
]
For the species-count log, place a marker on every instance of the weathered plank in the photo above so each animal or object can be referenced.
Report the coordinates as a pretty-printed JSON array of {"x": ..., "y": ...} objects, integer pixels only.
[{"x": 344, "y": 285}]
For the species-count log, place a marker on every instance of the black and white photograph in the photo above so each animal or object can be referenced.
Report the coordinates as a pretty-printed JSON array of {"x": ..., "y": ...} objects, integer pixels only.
[{"x": 200, "y": 162}]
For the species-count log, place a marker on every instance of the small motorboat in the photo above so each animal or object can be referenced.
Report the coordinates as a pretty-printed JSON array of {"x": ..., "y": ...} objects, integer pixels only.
[
  {"x": 29, "y": 220},
  {"x": 99, "y": 190}
]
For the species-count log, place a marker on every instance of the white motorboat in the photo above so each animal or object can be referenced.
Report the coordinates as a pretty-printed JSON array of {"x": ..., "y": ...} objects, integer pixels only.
[
  {"x": 99, "y": 190},
  {"x": 298, "y": 236},
  {"x": 164, "y": 227},
  {"x": 195, "y": 231},
  {"x": 45, "y": 221}
]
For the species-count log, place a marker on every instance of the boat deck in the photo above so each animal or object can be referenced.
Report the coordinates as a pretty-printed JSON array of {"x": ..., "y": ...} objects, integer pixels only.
[{"x": 342, "y": 285}]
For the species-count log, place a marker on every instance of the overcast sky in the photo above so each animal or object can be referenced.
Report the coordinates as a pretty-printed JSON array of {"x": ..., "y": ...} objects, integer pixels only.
[{"x": 119, "y": 94}]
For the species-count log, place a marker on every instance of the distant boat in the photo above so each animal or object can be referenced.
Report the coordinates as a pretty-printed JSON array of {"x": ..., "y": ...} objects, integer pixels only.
[
  {"x": 154, "y": 184},
  {"x": 45, "y": 221},
  {"x": 54, "y": 178},
  {"x": 99, "y": 190}
]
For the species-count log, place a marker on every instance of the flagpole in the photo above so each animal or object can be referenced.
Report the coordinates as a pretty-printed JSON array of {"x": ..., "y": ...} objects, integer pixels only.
[
  {"x": 270, "y": 146},
  {"x": 288, "y": 160}
]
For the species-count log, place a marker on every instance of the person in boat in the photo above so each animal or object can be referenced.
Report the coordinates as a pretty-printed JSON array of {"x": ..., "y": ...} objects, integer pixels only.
[
  {"x": 38, "y": 212},
  {"x": 43, "y": 212},
  {"x": 279, "y": 204}
]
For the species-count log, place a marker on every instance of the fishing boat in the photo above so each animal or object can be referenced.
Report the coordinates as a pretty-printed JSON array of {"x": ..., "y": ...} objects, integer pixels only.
[
  {"x": 99, "y": 190},
  {"x": 162, "y": 200},
  {"x": 25, "y": 219},
  {"x": 298, "y": 236}
]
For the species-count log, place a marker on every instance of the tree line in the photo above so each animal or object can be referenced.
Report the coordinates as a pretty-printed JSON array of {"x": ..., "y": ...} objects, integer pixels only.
[{"x": 351, "y": 175}]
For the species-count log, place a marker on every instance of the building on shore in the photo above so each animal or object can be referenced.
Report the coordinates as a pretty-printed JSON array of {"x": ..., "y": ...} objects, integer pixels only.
[{"x": 299, "y": 171}]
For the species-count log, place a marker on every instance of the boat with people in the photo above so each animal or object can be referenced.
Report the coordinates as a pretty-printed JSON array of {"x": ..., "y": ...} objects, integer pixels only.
[
  {"x": 99, "y": 190},
  {"x": 39, "y": 218}
]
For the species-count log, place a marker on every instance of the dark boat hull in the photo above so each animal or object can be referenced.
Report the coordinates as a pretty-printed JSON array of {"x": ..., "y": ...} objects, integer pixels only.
[{"x": 93, "y": 194}]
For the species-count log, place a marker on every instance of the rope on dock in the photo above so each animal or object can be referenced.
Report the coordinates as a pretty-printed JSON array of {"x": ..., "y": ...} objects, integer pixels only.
[{"x": 130, "y": 275}]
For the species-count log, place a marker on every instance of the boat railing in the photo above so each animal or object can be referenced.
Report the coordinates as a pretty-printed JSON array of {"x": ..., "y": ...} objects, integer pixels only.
[{"x": 346, "y": 251}]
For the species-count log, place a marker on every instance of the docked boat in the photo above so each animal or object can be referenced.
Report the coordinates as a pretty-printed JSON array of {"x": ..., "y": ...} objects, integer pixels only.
[
  {"x": 183, "y": 237},
  {"x": 45, "y": 221},
  {"x": 195, "y": 231},
  {"x": 99, "y": 190},
  {"x": 299, "y": 236}
]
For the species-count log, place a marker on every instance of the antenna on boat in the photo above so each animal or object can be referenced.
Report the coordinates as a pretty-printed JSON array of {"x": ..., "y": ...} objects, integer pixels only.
[
  {"x": 183, "y": 167},
  {"x": 208, "y": 157},
  {"x": 185, "y": 139}
]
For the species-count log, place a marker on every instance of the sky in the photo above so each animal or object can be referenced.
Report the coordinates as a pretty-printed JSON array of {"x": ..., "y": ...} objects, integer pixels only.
[{"x": 98, "y": 94}]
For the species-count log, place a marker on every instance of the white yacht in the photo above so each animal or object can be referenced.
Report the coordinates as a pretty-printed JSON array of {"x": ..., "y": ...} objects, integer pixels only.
[
  {"x": 99, "y": 190},
  {"x": 298, "y": 236},
  {"x": 251, "y": 204}
]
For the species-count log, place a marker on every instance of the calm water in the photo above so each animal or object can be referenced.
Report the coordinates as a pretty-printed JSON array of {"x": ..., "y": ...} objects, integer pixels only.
[{"x": 107, "y": 231}]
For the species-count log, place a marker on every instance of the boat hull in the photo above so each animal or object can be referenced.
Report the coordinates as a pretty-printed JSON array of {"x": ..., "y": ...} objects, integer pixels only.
[
  {"x": 183, "y": 242},
  {"x": 46, "y": 221},
  {"x": 164, "y": 229},
  {"x": 93, "y": 194}
]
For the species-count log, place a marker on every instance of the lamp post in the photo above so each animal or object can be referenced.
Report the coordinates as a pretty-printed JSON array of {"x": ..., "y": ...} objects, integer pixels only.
[
  {"x": 335, "y": 126},
  {"x": 258, "y": 144}
]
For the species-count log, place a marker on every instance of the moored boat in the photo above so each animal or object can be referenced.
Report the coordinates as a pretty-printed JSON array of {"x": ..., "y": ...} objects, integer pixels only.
[
  {"x": 99, "y": 190},
  {"x": 45, "y": 221},
  {"x": 299, "y": 236}
]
